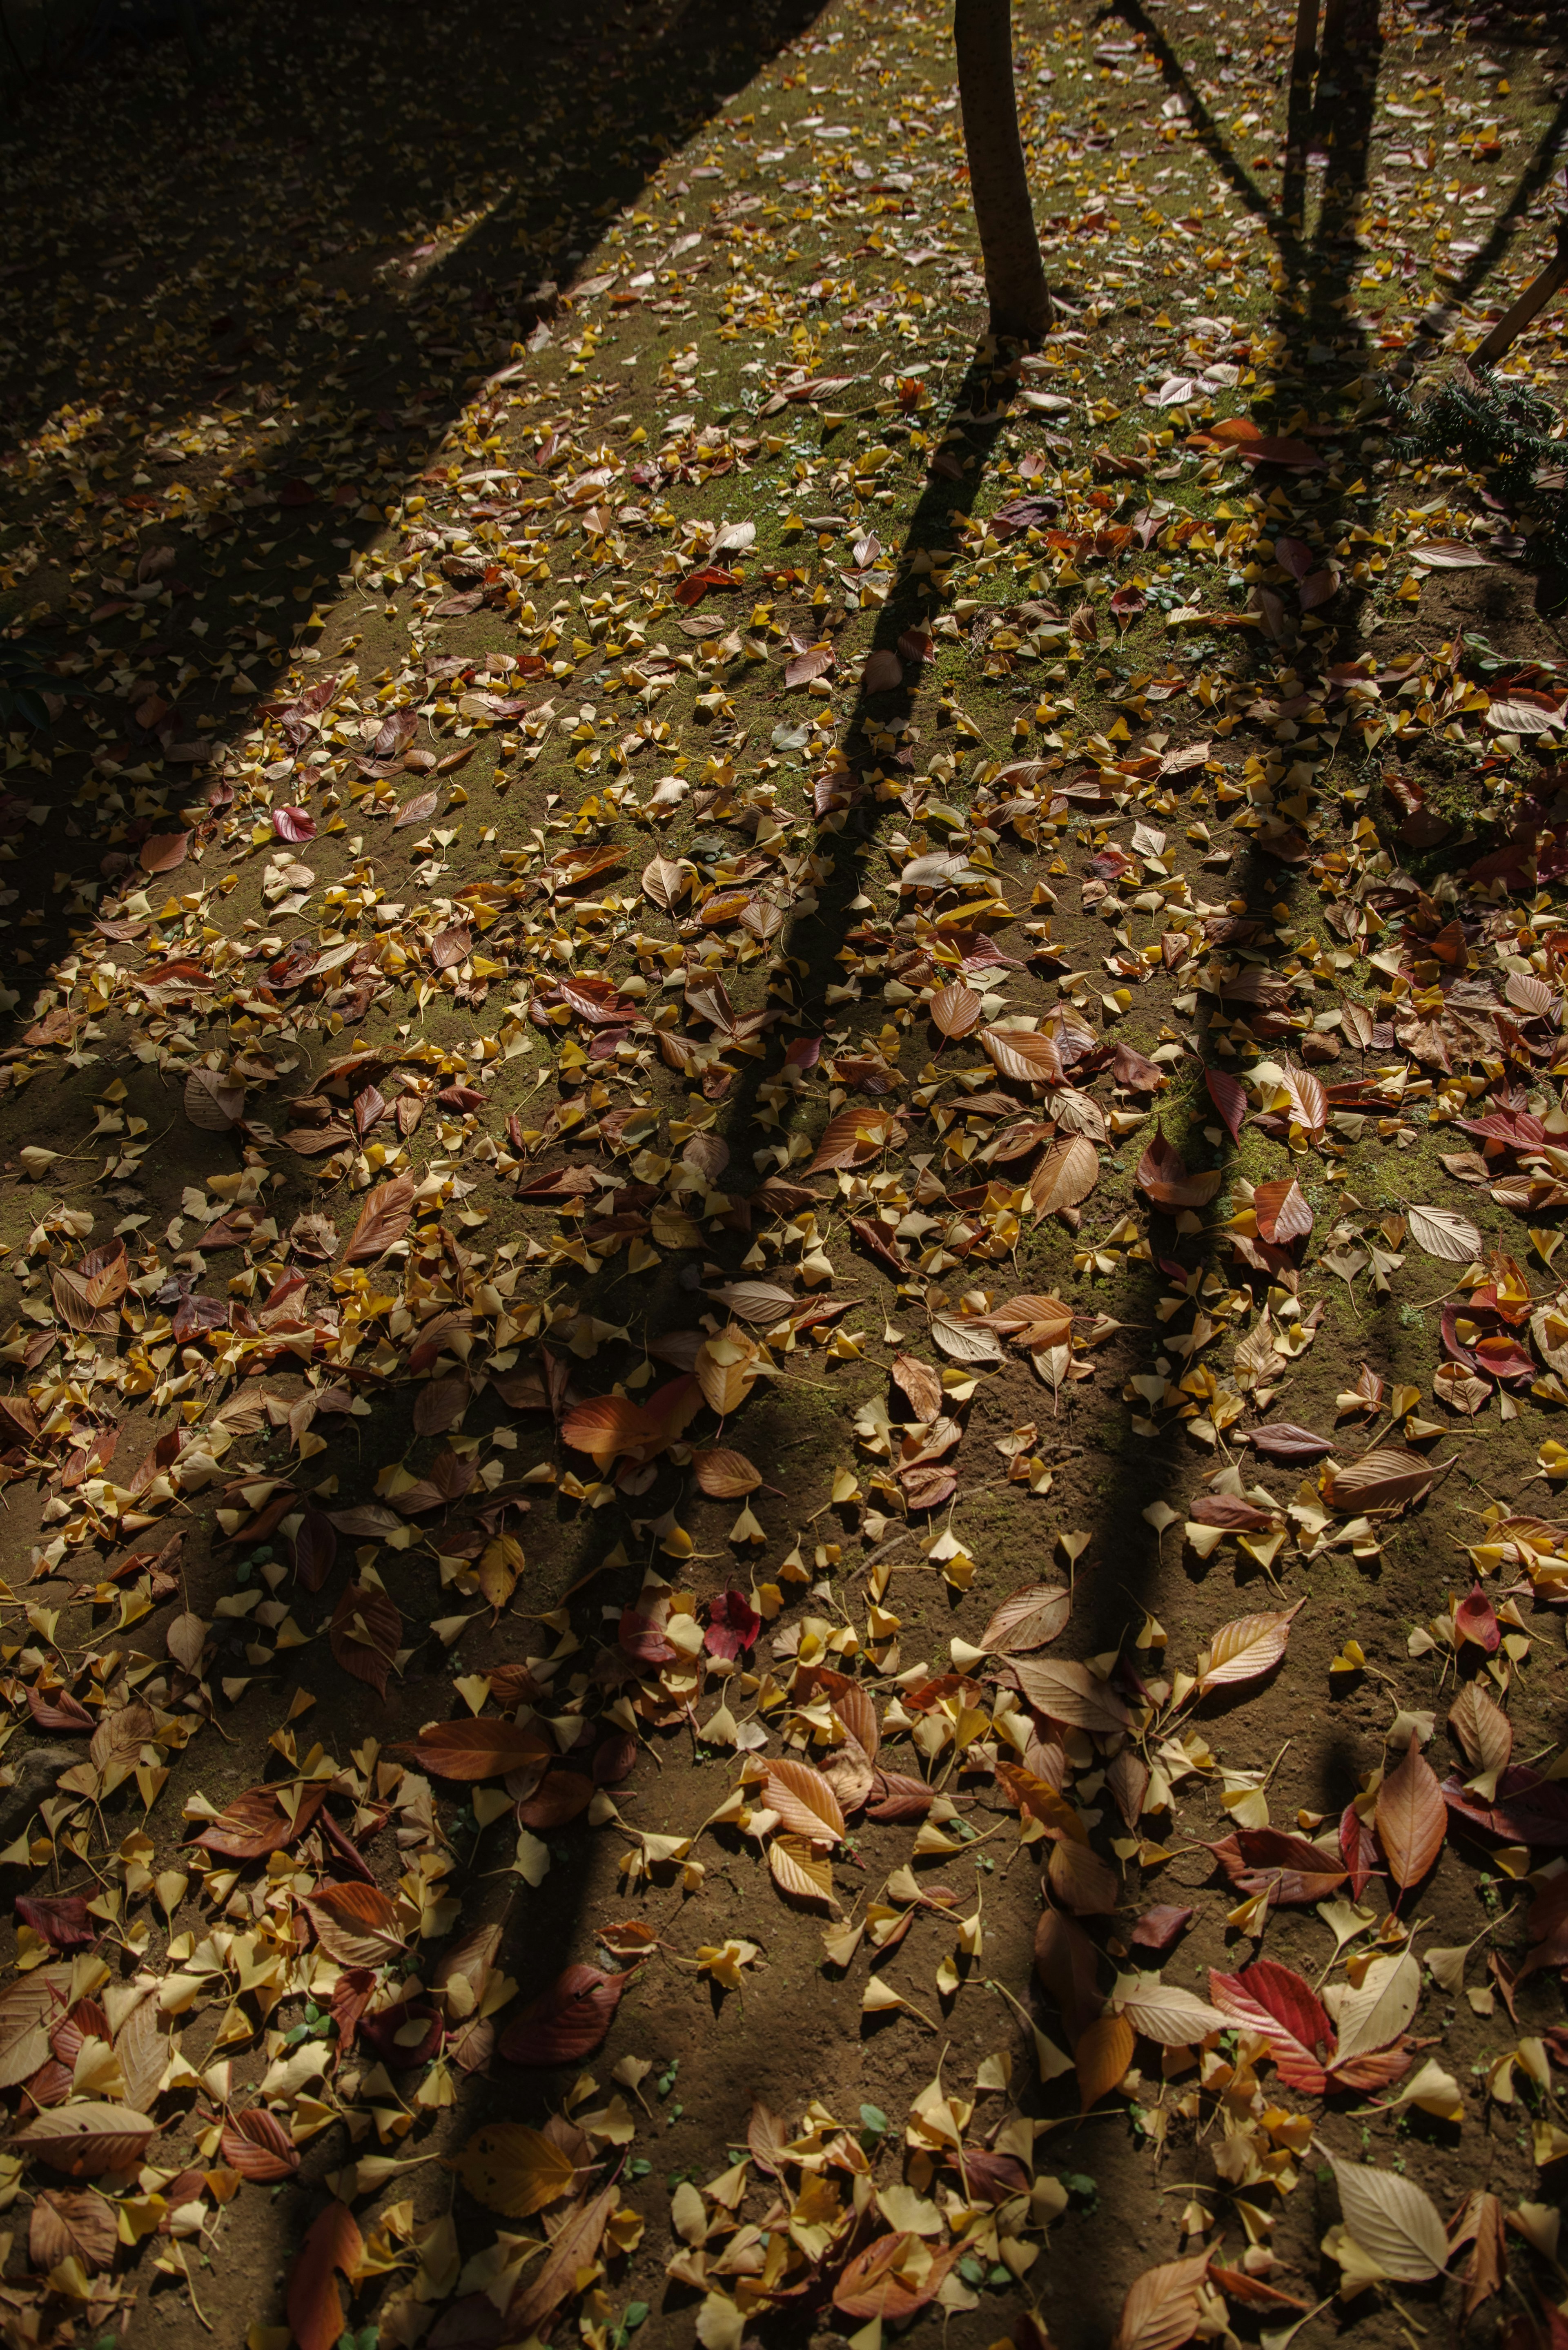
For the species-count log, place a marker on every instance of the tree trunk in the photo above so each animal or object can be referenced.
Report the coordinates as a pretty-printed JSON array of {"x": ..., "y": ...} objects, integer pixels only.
[{"x": 999, "y": 183}]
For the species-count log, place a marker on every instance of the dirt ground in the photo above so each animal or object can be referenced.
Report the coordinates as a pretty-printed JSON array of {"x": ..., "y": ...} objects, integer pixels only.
[{"x": 329, "y": 365}]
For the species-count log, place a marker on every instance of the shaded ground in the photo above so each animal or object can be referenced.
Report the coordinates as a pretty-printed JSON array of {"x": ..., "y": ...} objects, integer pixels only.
[{"x": 393, "y": 382}]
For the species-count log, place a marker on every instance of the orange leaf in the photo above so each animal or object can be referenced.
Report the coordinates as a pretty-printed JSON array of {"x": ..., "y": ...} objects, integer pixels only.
[
  {"x": 1411, "y": 1818},
  {"x": 606, "y": 1425},
  {"x": 724, "y": 1475},
  {"x": 314, "y": 2310},
  {"x": 1102, "y": 2055},
  {"x": 479, "y": 1749},
  {"x": 955, "y": 1009},
  {"x": 804, "y": 1801}
]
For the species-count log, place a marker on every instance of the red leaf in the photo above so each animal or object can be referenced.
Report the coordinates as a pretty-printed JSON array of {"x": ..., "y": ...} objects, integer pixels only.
[
  {"x": 568, "y": 2021},
  {"x": 383, "y": 1219},
  {"x": 606, "y": 1425},
  {"x": 315, "y": 2309},
  {"x": 696, "y": 584},
  {"x": 293, "y": 824},
  {"x": 1474, "y": 1620},
  {"x": 1275, "y": 2000},
  {"x": 733, "y": 1625},
  {"x": 1356, "y": 1849},
  {"x": 1228, "y": 1098},
  {"x": 255, "y": 1824},
  {"x": 1162, "y": 1174},
  {"x": 640, "y": 1638}
]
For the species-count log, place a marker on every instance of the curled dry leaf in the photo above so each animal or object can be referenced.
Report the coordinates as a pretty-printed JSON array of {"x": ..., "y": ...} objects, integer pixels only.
[
  {"x": 383, "y": 1220},
  {"x": 800, "y": 1868},
  {"x": 1101, "y": 2054},
  {"x": 64, "y": 2227},
  {"x": 1282, "y": 1440},
  {"x": 1162, "y": 1175},
  {"x": 1282, "y": 1212},
  {"x": 256, "y": 1822}
]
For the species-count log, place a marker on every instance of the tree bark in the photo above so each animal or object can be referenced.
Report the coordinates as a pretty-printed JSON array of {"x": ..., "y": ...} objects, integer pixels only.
[{"x": 999, "y": 181}]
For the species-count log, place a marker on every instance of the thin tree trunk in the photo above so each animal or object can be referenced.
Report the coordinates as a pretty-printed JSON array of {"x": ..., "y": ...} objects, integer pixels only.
[{"x": 999, "y": 181}]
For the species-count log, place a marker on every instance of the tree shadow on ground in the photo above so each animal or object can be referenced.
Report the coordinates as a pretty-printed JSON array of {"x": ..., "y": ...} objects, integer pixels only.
[{"x": 141, "y": 316}]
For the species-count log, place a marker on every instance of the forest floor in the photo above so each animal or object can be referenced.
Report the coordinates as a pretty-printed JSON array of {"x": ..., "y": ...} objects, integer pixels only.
[{"x": 782, "y": 1157}]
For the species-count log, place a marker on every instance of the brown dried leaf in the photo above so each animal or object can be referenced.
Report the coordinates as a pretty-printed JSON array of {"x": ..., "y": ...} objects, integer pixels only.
[
  {"x": 1411, "y": 1818},
  {"x": 1029, "y": 1618},
  {"x": 383, "y": 1219},
  {"x": 1067, "y": 1175}
]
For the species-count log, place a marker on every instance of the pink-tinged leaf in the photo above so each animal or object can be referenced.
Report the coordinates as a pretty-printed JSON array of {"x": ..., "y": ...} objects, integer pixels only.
[
  {"x": 1474, "y": 1621},
  {"x": 809, "y": 665},
  {"x": 1276, "y": 2001},
  {"x": 883, "y": 674},
  {"x": 1157, "y": 1928},
  {"x": 293, "y": 824},
  {"x": 1297, "y": 557},
  {"x": 160, "y": 852},
  {"x": 1282, "y": 1440}
]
